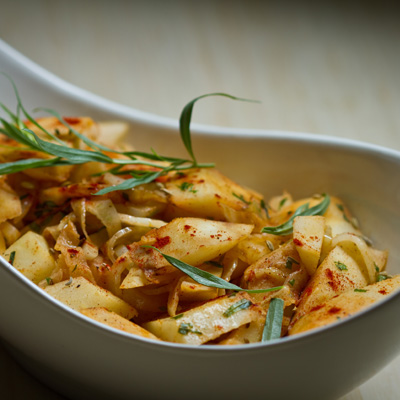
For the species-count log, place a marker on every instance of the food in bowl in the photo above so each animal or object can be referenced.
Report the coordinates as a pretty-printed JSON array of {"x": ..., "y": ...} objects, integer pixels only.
[{"x": 171, "y": 249}]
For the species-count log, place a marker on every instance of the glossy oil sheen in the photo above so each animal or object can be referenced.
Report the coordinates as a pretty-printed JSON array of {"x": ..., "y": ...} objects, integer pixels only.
[{"x": 82, "y": 359}]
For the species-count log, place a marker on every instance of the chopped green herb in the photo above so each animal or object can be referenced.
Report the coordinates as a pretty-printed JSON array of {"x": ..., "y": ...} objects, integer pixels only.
[
  {"x": 340, "y": 207},
  {"x": 287, "y": 227},
  {"x": 178, "y": 316},
  {"x": 270, "y": 245},
  {"x": 341, "y": 266},
  {"x": 273, "y": 322},
  {"x": 376, "y": 267},
  {"x": 239, "y": 305},
  {"x": 187, "y": 327},
  {"x": 187, "y": 187},
  {"x": 346, "y": 218},
  {"x": 381, "y": 277},
  {"x": 290, "y": 261},
  {"x": 12, "y": 257},
  {"x": 360, "y": 290},
  {"x": 264, "y": 207},
  {"x": 282, "y": 202},
  {"x": 76, "y": 266},
  {"x": 241, "y": 198},
  {"x": 292, "y": 282},
  {"x": 49, "y": 281}
]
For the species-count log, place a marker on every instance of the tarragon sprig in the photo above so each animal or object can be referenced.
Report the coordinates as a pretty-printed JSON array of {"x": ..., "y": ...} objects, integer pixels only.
[
  {"x": 62, "y": 154},
  {"x": 206, "y": 278},
  {"x": 287, "y": 227}
]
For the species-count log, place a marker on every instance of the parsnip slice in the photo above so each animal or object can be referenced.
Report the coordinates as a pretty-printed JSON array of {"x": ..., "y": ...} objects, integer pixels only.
[
  {"x": 31, "y": 256},
  {"x": 205, "y": 192},
  {"x": 348, "y": 303},
  {"x": 308, "y": 235},
  {"x": 206, "y": 322},
  {"x": 79, "y": 293},
  {"x": 114, "y": 320},
  {"x": 338, "y": 273}
]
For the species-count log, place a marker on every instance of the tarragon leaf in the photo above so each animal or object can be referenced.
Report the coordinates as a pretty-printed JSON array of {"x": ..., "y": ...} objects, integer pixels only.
[
  {"x": 21, "y": 165},
  {"x": 287, "y": 227},
  {"x": 204, "y": 277},
  {"x": 186, "y": 116},
  {"x": 131, "y": 183},
  {"x": 273, "y": 322}
]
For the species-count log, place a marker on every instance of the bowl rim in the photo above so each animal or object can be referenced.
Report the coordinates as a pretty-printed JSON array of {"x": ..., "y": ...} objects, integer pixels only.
[{"x": 66, "y": 89}]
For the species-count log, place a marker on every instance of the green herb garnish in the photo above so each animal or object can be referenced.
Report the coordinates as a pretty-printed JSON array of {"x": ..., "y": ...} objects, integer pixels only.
[
  {"x": 340, "y": 265},
  {"x": 187, "y": 327},
  {"x": 62, "y": 154},
  {"x": 186, "y": 116},
  {"x": 241, "y": 198},
  {"x": 360, "y": 290},
  {"x": 273, "y": 322},
  {"x": 187, "y": 186},
  {"x": 287, "y": 227},
  {"x": 265, "y": 208},
  {"x": 239, "y": 305},
  {"x": 290, "y": 261},
  {"x": 178, "y": 316},
  {"x": 381, "y": 277},
  {"x": 282, "y": 202},
  {"x": 292, "y": 282},
  {"x": 12, "y": 257},
  {"x": 340, "y": 207},
  {"x": 49, "y": 281},
  {"x": 204, "y": 277}
]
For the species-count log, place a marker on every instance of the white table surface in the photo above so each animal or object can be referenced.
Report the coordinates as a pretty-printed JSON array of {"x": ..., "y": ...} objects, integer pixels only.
[{"x": 330, "y": 70}]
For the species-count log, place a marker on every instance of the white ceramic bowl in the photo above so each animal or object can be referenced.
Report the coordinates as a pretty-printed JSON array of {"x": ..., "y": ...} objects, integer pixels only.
[{"x": 83, "y": 359}]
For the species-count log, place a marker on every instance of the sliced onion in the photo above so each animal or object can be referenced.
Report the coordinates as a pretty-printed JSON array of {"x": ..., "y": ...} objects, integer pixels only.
[
  {"x": 139, "y": 221},
  {"x": 113, "y": 240},
  {"x": 358, "y": 249},
  {"x": 105, "y": 211},
  {"x": 173, "y": 298},
  {"x": 79, "y": 207},
  {"x": 90, "y": 250}
]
